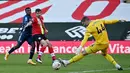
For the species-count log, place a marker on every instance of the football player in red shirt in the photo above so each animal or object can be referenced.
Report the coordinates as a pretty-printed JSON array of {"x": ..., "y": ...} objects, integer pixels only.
[{"x": 38, "y": 33}]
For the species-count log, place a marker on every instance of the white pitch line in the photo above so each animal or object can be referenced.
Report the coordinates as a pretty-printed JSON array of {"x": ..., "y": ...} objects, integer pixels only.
[{"x": 91, "y": 71}]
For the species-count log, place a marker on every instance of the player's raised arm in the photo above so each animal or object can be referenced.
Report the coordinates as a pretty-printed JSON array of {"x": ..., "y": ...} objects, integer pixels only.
[
  {"x": 109, "y": 21},
  {"x": 112, "y": 21}
]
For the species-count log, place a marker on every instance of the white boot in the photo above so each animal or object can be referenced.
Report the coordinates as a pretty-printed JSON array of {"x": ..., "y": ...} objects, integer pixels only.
[
  {"x": 39, "y": 60},
  {"x": 64, "y": 62},
  {"x": 118, "y": 67}
]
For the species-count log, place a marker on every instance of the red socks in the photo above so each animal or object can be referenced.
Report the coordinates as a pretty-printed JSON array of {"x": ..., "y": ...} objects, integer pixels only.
[
  {"x": 41, "y": 51},
  {"x": 52, "y": 53},
  {"x": 50, "y": 49}
]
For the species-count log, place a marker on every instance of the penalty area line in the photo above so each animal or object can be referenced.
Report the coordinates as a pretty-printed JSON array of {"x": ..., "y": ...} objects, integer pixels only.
[{"x": 103, "y": 70}]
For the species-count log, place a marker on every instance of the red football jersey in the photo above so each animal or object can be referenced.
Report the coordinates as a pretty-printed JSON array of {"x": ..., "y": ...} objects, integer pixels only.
[{"x": 37, "y": 25}]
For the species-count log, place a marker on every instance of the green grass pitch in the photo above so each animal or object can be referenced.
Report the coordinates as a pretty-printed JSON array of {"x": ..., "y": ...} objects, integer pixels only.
[{"x": 90, "y": 64}]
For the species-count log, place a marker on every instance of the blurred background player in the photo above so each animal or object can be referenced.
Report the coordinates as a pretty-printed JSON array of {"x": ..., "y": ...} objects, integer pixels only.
[
  {"x": 38, "y": 32},
  {"x": 25, "y": 35},
  {"x": 97, "y": 29}
]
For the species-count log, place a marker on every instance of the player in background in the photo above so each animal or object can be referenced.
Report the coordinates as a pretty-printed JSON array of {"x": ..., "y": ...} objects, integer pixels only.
[
  {"x": 25, "y": 35},
  {"x": 38, "y": 32},
  {"x": 97, "y": 29}
]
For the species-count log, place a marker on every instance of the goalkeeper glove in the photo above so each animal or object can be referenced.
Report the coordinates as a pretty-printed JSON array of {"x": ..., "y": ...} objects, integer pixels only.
[{"x": 122, "y": 20}]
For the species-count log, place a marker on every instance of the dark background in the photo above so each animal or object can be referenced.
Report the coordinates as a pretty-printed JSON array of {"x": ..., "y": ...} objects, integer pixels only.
[{"x": 117, "y": 31}]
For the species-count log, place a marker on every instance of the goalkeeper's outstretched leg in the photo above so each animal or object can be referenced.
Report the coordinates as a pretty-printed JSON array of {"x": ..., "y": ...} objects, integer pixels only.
[{"x": 89, "y": 50}]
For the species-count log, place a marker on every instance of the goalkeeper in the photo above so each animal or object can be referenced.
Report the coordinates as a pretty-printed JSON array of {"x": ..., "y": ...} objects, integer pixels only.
[{"x": 97, "y": 29}]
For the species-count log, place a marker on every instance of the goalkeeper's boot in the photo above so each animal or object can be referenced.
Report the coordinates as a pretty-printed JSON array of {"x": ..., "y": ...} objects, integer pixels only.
[
  {"x": 64, "y": 62},
  {"x": 6, "y": 56},
  {"x": 118, "y": 67},
  {"x": 31, "y": 62},
  {"x": 39, "y": 60}
]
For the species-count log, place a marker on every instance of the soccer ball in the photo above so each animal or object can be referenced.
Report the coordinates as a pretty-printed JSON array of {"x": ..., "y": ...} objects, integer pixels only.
[{"x": 56, "y": 65}]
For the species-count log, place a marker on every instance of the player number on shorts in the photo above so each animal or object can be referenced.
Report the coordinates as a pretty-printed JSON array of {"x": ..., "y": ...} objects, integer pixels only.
[{"x": 100, "y": 30}]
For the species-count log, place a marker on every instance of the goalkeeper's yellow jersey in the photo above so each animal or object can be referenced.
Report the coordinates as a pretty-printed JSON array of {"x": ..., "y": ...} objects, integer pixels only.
[{"x": 97, "y": 29}]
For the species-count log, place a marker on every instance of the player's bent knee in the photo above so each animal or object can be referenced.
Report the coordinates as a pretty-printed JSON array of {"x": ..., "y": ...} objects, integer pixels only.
[
  {"x": 48, "y": 43},
  {"x": 43, "y": 42}
]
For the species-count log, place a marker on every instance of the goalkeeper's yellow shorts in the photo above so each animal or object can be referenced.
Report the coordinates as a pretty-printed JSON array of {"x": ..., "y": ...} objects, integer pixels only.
[{"x": 97, "y": 47}]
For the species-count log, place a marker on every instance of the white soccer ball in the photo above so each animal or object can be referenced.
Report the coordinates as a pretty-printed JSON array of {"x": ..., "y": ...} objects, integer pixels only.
[{"x": 56, "y": 65}]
